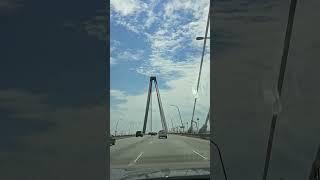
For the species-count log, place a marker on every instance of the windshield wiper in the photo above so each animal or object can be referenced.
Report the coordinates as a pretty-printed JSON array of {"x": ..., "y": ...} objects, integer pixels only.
[{"x": 280, "y": 83}]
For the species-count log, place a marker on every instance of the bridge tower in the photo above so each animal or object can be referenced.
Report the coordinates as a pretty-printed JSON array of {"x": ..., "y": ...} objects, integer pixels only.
[
  {"x": 162, "y": 116},
  {"x": 203, "y": 129}
]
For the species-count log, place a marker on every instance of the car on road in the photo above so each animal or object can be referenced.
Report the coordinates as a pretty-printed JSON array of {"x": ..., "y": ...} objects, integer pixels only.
[
  {"x": 139, "y": 133},
  {"x": 112, "y": 140},
  {"x": 162, "y": 134},
  {"x": 152, "y": 133}
]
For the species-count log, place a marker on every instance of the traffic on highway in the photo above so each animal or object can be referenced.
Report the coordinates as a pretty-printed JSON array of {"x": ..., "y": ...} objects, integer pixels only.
[{"x": 137, "y": 157}]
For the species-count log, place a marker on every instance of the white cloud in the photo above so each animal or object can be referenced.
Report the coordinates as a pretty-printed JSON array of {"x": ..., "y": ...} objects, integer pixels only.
[
  {"x": 128, "y": 25},
  {"x": 114, "y": 44},
  {"x": 150, "y": 20},
  {"x": 176, "y": 5},
  {"x": 128, "y": 7},
  {"x": 136, "y": 8},
  {"x": 117, "y": 94},
  {"x": 169, "y": 16},
  {"x": 174, "y": 33},
  {"x": 112, "y": 61},
  {"x": 151, "y": 16},
  {"x": 125, "y": 56},
  {"x": 131, "y": 55},
  {"x": 118, "y": 54},
  {"x": 168, "y": 38}
]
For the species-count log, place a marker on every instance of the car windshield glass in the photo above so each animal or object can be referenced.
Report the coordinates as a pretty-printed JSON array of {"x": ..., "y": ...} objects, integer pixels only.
[
  {"x": 250, "y": 41},
  {"x": 159, "y": 68}
]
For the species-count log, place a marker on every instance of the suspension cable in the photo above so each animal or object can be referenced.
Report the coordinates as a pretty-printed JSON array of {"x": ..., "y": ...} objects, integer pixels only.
[{"x": 203, "y": 51}]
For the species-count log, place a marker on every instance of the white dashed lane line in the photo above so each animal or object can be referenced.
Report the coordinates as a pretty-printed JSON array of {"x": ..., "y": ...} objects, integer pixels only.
[
  {"x": 199, "y": 154},
  {"x": 136, "y": 159}
]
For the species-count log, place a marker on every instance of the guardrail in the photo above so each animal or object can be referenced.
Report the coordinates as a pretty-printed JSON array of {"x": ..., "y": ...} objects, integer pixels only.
[
  {"x": 123, "y": 136},
  {"x": 195, "y": 135},
  {"x": 201, "y": 135}
]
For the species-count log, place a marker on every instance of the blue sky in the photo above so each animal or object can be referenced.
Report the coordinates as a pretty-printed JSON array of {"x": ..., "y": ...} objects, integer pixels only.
[{"x": 157, "y": 38}]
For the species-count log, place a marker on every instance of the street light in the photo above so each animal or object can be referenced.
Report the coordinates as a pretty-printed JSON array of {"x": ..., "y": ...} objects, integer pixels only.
[
  {"x": 201, "y": 38},
  {"x": 187, "y": 125},
  {"x": 182, "y": 126},
  {"x": 172, "y": 124},
  {"x": 201, "y": 63},
  {"x": 198, "y": 125}
]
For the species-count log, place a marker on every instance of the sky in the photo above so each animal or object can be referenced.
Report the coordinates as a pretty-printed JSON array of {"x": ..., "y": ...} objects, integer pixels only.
[{"x": 157, "y": 38}]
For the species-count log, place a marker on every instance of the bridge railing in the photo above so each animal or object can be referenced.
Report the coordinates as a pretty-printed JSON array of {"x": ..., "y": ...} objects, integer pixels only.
[
  {"x": 124, "y": 136},
  {"x": 195, "y": 135}
]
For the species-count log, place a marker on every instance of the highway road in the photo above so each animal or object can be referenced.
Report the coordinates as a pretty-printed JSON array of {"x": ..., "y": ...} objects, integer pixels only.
[{"x": 150, "y": 151}]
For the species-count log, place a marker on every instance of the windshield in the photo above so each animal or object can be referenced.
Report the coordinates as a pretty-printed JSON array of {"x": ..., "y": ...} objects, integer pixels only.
[
  {"x": 155, "y": 60},
  {"x": 250, "y": 39}
]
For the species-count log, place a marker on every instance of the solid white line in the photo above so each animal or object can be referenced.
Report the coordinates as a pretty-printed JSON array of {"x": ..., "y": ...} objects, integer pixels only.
[{"x": 199, "y": 154}]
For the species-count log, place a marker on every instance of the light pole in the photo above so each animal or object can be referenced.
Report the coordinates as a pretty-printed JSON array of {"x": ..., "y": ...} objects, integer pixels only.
[
  {"x": 182, "y": 126},
  {"x": 187, "y": 124},
  {"x": 198, "y": 125},
  {"x": 203, "y": 53},
  {"x": 172, "y": 124}
]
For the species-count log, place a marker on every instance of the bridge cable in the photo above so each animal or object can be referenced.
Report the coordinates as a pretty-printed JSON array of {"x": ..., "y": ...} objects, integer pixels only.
[{"x": 203, "y": 51}]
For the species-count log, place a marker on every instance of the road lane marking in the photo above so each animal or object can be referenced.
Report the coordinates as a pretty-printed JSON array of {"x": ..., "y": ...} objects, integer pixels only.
[
  {"x": 132, "y": 163},
  {"x": 138, "y": 157},
  {"x": 199, "y": 154}
]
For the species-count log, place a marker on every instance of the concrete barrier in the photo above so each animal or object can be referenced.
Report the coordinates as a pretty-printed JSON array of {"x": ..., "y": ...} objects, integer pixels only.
[
  {"x": 123, "y": 136},
  {"x": 195, "y": 135},
  {"x": 202, "y": 136}
]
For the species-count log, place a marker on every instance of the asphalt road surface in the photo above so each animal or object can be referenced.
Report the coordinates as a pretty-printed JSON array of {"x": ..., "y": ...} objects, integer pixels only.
[{"x": 150, "y": 151}]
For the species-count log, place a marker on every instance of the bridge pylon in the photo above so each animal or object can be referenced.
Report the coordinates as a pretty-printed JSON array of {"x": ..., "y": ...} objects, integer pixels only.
[
  {"x": 162, "y": 116},
  {"x": 203, "y": 129}
]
